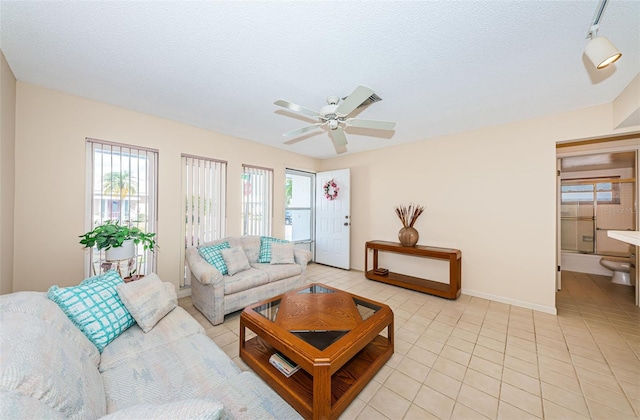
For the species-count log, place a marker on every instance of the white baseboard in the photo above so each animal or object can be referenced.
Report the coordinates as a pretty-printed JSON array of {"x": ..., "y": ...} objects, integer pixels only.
[
  {"x": 541, "y": 308},
  {"x": 184, "y": 292}
]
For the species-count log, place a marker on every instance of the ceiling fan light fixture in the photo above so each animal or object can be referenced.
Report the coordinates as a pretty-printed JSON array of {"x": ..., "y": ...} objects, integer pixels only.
[
  {"x": 601, "y": 52},
  {"x": 333, "y": 124}
]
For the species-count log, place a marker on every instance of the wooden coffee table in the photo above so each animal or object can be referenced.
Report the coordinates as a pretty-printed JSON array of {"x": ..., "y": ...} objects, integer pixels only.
[{"x": 333, "y": 335}]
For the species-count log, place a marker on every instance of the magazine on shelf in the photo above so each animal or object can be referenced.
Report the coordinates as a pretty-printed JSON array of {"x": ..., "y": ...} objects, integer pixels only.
[{"x": 285, "y": 365}]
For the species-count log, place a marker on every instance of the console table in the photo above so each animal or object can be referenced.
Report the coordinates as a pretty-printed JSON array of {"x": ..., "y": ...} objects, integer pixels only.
[{"x": 449, "y": 290}]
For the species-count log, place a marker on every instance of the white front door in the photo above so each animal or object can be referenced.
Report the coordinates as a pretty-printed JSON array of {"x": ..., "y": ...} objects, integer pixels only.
[{"x": 333, "y": 219}]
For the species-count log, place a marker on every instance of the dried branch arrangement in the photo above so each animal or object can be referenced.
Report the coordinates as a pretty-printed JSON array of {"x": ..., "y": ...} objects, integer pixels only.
[{"x": 409, "y": 215}]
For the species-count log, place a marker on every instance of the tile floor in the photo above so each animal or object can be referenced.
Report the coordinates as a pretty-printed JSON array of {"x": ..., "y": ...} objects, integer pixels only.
[{"x": 476, "y": 359}]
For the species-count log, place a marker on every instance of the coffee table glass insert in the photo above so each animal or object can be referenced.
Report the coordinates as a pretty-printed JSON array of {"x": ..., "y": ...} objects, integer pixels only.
[{"x": 339, "y": 340}]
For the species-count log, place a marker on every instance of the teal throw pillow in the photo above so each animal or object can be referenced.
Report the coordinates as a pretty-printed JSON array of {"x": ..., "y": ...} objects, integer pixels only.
[
  {"x": 265, "y": 248},
  {"x": 95, "y": 307},
  {"x": 212, "y": 255}
]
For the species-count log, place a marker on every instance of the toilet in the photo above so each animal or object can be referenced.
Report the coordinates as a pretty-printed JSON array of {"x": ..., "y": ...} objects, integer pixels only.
[{"x": 621, "y": 268}]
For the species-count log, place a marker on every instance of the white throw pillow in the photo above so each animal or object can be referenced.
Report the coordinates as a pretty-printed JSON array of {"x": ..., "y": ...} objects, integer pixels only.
[
  {"x": 235, "y": 259},
  {"x": 282, "y": 253},
  {"x": 148, "y": 300}
]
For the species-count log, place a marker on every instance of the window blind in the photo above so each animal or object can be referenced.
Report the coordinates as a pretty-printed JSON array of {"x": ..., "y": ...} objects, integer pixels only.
[
  {"x": 257, "y": 200},
  {"x": 204, "y": 191}
]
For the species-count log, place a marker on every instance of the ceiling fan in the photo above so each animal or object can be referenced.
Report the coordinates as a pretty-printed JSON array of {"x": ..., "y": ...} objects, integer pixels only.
[{"x": 335, "y": 116}]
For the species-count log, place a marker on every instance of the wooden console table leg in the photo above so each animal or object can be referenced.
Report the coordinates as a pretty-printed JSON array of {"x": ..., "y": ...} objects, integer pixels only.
[{"x": 375, "y": 259}]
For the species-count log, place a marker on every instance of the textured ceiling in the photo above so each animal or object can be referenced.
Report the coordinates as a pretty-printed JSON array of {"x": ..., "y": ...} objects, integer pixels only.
[{"x": 440, "y": 66}]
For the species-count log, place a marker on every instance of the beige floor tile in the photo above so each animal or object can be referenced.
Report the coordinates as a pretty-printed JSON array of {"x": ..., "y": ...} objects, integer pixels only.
[
  {"x": 369, "y": 391},
  {"x": 403, "y": 385},
  {"x": 572, "y": 401},
  {"x": 569, "y": 383},
  {"x": 479, "y": 401},
  {"x": 450, "y": 368},
  {"x": 521, "y": 353},
  {"x": 614, "y": 399},
  {"x": 413, "y": 369},
  {"x": 526, "y": 401},
  {"x": 427, "y": 343},
  {"x": 422, "y": 356},
  {"x": 444, "y": 384},
  {"x": 482, "y": 382},
  {"x": 491, "y": 369},
  {"x": 599, "y": 410},
  {"x": 462, "y": 412},
  {"x": 488, "y": 354},
  {"x": 509, "y": 412},
  {"x": 566, "y": 368},
  {"x": 521, "y": 366},
  {"x": 436, "y": 335},
  {"x": 353, "y": 410},
  {"x": 389, "y": 403},
  {"x": 491, "y": 343},
  {"x": 559, "y": 354},
  {"x": 434, "y": 402},
  {"x": 401, "y": 346},
  {"x": 456, "y": 355},
  {"x": 598, "y": 379},
  {"x": 418, "y": 413},
  {"x": 370, "y": 413},
  {"x": 407, "y": 335},
  {"x": 460, "y": 343},
  {"x": 553, "y": 411},
  {"x": 493, "y": 334},
  {"x": 521, "y": 381}
]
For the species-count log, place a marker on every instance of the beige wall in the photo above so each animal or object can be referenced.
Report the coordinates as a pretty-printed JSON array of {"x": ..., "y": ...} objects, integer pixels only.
[
  {"x": 7, "y": 177},
  {"x": 490, "y": 193},
  {"x": 50, "y": 179}
]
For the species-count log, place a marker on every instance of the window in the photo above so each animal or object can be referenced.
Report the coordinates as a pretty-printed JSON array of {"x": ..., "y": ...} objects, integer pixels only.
[
  {"x": 122, "y": 186},
  {"x": 257, "y": 200},
  {"x": 299, "y": 210},
  {"x": 590, "y": 190},
  {"x": 204, "y": 191}
]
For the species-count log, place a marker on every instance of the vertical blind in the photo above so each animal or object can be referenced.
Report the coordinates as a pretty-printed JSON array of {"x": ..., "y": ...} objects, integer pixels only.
[
  {"x": 257, "y": 200},
  {"x": 204, "y": 190},
  {"x": 122, "y": 186}
]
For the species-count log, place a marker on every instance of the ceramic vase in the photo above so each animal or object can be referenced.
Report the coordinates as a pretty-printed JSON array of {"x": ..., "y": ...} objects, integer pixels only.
[{"x": 408, "y": 236}]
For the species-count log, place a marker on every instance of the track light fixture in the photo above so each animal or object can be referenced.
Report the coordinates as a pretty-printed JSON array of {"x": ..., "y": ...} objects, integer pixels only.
[{"x": 599, "y": 49}]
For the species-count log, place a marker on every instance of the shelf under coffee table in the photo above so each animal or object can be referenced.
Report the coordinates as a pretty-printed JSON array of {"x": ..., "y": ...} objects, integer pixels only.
[{"x": 338, "y": 339}]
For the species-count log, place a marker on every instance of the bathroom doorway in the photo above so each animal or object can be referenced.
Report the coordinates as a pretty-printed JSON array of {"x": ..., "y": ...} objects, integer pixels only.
[{"x": 597, "y": 193}]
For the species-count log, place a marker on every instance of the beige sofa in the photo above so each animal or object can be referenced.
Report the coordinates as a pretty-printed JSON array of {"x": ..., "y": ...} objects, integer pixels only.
[
  {"x": 50, "y": 370},
  {"x": 216, "y": 295}
]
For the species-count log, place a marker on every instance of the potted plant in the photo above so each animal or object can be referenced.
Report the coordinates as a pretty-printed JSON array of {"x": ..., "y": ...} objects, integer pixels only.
[{"x": 117, "y": 240}]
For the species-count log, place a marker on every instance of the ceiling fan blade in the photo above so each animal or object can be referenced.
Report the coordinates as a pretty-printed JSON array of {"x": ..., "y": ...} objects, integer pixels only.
[
  {"x": 302, "y": 130},
  {"x": 375, "y": 124},
  {"x": 297, "y": 108},
  {"x": 357, "y": 97},
  {"x": 338, "y": 136}
]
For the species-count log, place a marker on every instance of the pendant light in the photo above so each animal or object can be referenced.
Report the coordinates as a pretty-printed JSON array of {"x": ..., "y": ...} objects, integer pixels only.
[{"x": 599, "y": 49}]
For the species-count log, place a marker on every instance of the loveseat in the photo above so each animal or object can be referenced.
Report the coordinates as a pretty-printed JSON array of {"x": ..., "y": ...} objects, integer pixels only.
[
  {"x": 49, "y": 369},
  {"x": 265, "y": 274}
]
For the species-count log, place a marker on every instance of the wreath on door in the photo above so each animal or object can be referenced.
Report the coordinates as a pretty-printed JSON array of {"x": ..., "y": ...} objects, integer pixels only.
[{"x": 330, "y": 190}]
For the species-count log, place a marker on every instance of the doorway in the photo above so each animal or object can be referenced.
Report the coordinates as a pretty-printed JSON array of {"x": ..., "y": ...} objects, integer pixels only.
[{"x": 597, "y": 193}]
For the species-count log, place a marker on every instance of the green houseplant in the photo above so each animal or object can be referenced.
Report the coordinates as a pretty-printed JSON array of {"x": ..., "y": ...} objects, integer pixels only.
[{"x": 113, "y": 235}]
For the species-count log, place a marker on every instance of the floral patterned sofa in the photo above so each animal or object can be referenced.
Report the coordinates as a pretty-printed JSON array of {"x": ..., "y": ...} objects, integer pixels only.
[
  {"x": 50, "y": 369},
  {"x": 216, "y": 294}
]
